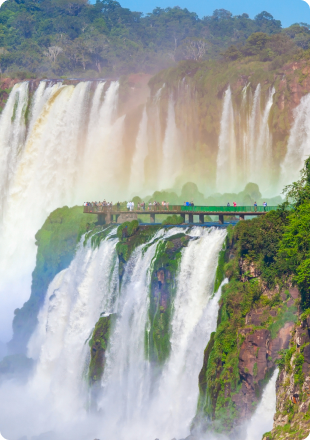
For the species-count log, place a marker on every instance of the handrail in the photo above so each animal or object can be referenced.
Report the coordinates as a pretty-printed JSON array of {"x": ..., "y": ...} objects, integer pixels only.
[{"x": 181, "y": 208}]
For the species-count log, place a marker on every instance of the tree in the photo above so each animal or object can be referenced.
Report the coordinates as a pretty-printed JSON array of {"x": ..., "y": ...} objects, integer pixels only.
[
  {"x": 52, "y": 53},
  {"x": 195, "y": 48}
]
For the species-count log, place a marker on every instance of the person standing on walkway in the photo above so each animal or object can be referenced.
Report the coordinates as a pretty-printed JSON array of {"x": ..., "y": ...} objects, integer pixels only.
[
  {"x": 128, "y": 206},
  {"x": 255, "y": 206},
  {"x": 235, "y": 204},
  {"x": 265, "y": 206}
]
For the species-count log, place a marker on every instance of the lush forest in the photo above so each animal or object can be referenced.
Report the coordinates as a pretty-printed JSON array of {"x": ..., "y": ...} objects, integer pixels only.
[{"x": 74, "y": 37}]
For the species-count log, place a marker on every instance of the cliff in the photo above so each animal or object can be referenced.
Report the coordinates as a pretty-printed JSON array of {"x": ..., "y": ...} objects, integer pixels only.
[
  {"x": 292, "y": 418},
  {"x": 257, "y": 314}
]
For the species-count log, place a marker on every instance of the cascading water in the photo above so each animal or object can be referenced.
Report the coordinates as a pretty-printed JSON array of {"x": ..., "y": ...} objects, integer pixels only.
[
  {"x": 171, "y": 150},
  {"x": 136, "y": 399},
  {"x": 226, "y": 175},
  {"x": 262, "y": 420},
  {"x": 46, "y": 170},
  {"x": 298, "y": 148},
  {"x": 137, "y": 174},
  {"x": 245, "y": 144}
]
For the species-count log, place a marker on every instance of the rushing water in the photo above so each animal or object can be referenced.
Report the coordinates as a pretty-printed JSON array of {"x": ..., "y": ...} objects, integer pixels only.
[
  {"x": 262, "y": 420},
  {"x": 135, "y": 399},
  {"x": 298, "y": 149},
  {"x": 64, "y": 144},
  {"x": 245, "y": 144}
]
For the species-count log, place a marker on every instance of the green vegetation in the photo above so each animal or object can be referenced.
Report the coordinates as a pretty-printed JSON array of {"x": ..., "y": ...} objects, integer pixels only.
[
  {"x": 295, "y": 247},
  {"x": 131, "y": 235},
  {"x": 268, "y": 253},
  {"x": 56, "y": 242},
  {"x": 98, "y": 345},
  {"x": 173, "y": 220},
  {"x": 62, "y": 37},
  {"x": 164, "y": 269}
]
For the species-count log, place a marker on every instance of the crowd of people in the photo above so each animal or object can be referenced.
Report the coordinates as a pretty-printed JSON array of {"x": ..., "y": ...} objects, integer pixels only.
[{"x": 255, "y": 205}]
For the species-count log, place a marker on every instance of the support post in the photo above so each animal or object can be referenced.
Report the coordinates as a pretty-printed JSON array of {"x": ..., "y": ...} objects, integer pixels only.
[
  {"x": 221, "y": 219},
  {"x": 101, "y": 219},
  {"x": 116, "y": 217},
  {"x": 183, "y": 217},
  {"x": 108, "y": 218},
  {"x": 152, "y": 215},
  {"x": 190, "y": 218},
  {"x": 241, "y": 217},
  {"x": 201, "y": 218}
]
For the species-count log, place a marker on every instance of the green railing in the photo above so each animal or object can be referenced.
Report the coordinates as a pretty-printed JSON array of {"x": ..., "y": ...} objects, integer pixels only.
[
  {"x": 185, "y": 209},
  {"x": 228, "y": 209}
]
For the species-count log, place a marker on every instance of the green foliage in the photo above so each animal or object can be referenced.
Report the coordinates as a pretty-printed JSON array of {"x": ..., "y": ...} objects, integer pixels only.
[
  {"x": 164, "y": 269},
  {"x": 173, "y": 220},
  {"x": 286, "y": 314},
  {"x": 98, "y": 345},
  {"x": 220, "y": 272},
  {"x": 127, "y": 229},
  {"x": 58, "y": 37},
  {"x": 295, "y": 246},
  {"x": 56, "y": 242}
]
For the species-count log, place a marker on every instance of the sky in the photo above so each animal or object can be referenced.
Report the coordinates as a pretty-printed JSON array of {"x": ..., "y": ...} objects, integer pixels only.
[{"x": 288, "y": 11}]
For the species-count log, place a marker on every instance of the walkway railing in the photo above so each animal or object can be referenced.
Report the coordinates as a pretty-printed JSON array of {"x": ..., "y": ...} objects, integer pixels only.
[
  {"x": 228, "y": 209},
  {"x": 180, "y": 208}
]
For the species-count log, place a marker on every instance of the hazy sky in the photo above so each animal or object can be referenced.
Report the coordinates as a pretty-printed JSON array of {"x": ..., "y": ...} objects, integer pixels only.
[{"x": 288, "y": 11}]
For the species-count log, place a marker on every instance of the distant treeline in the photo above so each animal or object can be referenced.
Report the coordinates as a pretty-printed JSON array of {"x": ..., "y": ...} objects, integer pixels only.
[{"x": 73, "y": 37}]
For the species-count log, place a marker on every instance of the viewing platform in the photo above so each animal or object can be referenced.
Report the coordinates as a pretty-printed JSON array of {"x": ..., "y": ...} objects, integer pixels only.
[{"x": 110, "y": 214}]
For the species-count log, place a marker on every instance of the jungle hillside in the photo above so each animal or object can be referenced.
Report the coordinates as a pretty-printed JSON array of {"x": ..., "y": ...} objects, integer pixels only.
[{"x": 74, "y": 38}]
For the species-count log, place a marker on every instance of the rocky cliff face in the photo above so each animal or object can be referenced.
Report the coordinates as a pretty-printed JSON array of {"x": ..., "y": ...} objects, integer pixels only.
[{"x": 292, "y": 418}]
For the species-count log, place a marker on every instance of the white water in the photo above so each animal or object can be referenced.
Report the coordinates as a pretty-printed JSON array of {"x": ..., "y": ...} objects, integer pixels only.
[
  {"x": 134, "y": 402},
  {"x": 171, "y": 150},
  {"x": 298, "y": 148},
  {"x": 245, "y": 144},
  {"x": 138, "y": 174},
  {"x": 226, "y": 173},
  {"x": 133, "y": 405},
  {"x": 46, "y": 170},
  {"x": 262, "y": 420}
]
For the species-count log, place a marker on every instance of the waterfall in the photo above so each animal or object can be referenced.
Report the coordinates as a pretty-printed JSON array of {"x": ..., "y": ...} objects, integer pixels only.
[
  {"x": 262, "y": 420},
  {"x": 298, "y": 148},
  {"x": 137, "y": 175},
  {"x": 43, "y": 167},
  {"x": 226, "y": 175},
  {"x": 136, "y": 398},
  {"x": 245, "y": 143},
  {"x": 171, "y": 150},
  {"x": 133, "y": 402}
]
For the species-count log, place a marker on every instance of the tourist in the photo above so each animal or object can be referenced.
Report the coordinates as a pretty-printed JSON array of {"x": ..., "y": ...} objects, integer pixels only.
[
  {"x": 167, "y": 206},
  {"x": 150, "y": 206},
  {"x": 235, "y": 204},
  {"x": 118, "y": 205},
  {"x": 128, "y": 206},
  {"x": 228, "y": 205},
  {"x": 255, "y": 206},
  {"x": 184, "y": 204},
  {"x": 265, "y": 206}
]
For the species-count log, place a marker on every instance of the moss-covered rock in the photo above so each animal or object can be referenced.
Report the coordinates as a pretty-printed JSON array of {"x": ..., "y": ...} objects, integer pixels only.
[
  {"x": 56, "y": 242},
  {"x": 163, "y": 288},
  {"x": 98, "y": 346}
]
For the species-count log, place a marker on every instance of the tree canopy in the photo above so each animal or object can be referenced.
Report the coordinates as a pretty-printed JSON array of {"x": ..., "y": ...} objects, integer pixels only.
[{"x": 65, "y": 37}]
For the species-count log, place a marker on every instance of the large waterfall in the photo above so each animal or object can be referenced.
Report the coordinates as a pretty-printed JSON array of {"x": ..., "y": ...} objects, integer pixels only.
[
  {"x": 298, "y": 149},
  {"x": 245, "y": 143},
  {"x": 62, "y": 144},
  {"x": 137, "y": 400}
]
